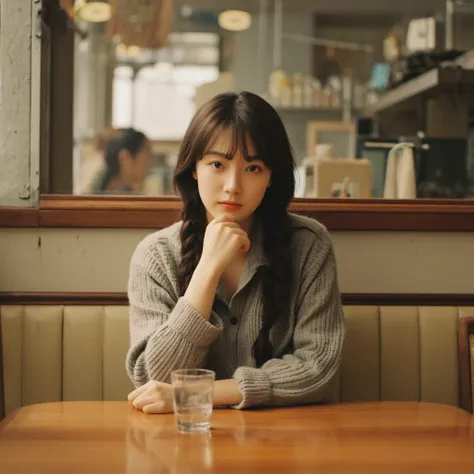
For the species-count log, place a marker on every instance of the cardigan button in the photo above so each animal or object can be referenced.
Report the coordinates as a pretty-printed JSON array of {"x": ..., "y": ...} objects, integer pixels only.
[{"x": 234, "y": 320}]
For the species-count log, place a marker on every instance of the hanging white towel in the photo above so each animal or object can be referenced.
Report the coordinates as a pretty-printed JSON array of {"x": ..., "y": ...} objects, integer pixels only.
[{"x": 400, "y": 177}]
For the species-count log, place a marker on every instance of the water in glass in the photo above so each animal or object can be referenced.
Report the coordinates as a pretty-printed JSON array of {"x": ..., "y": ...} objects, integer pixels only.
[{"x": 193, "y": 407}]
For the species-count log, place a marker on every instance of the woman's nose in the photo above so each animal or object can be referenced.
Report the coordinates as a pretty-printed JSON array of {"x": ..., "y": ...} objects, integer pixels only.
[{"x": 232, "y": 182}]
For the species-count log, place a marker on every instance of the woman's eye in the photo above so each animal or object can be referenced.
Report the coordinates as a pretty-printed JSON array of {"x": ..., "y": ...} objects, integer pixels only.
[
  {"x": 216, "y": 164},
  {"x": 254, "y": 168}
]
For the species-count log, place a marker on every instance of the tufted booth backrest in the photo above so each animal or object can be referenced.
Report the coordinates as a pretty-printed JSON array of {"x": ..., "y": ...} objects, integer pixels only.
[{"x": 53, "y": 353}]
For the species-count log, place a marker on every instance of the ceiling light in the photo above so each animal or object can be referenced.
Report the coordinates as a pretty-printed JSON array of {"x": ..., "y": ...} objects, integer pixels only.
[
  {"x": 234, "y": 20},
  {"x": 95, "y": 11}
]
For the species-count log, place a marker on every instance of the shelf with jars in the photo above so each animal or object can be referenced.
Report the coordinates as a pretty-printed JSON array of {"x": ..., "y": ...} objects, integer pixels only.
[{"x": 305, "y": 93}]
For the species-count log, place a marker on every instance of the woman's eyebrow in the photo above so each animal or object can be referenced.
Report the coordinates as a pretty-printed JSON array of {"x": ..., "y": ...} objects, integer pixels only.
[{"x": 228, "y": 156}]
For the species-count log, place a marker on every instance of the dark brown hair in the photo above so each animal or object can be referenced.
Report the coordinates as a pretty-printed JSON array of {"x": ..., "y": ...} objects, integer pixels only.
[
  {"x": 127, "y": 139},
  {"x": 248, "y": 116}
]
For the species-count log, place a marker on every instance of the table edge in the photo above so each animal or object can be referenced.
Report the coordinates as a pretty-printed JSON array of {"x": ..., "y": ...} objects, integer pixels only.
[{"x": 365, "y": 404}]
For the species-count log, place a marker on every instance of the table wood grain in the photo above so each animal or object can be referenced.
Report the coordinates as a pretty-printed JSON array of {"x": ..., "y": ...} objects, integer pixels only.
[{"x": 103, "y": 437}]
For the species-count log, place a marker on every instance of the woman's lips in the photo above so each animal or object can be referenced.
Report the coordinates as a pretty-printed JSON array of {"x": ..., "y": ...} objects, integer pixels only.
[{"x": 230, "y": 206}]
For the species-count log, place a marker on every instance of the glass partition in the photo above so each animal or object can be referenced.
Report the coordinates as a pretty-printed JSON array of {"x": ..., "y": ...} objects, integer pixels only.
[{"x": 343, "y": 81}]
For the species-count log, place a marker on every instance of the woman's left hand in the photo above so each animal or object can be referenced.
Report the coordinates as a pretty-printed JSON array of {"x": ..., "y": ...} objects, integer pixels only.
[{"x": 153, "y": 397}]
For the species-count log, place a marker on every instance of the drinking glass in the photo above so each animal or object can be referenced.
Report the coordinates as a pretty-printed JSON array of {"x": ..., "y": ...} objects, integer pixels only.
[{"x": 193, "y": 399}]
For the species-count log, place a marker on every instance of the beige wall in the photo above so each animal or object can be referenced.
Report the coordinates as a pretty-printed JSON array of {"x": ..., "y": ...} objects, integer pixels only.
[
  {"x": 369, "y": 262},
  {"x": 19, "y": 103}
]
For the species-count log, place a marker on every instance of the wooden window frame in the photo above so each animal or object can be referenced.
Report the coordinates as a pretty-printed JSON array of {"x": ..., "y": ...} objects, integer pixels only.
[{"x": 158, "y": 212}]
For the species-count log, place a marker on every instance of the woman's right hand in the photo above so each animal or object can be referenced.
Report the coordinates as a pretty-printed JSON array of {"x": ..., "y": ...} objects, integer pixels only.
[{"x": 223, "y": 240}]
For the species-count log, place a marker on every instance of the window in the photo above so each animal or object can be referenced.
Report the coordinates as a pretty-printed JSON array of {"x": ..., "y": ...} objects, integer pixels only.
[{"x": 149, "y": 83}]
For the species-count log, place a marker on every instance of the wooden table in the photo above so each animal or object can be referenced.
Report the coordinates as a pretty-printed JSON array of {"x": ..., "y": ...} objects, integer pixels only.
[{"x": 112, "y": 437}]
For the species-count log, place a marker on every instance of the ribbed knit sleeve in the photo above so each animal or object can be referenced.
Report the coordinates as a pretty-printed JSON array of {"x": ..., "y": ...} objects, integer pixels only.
[
  {"x": 166, "y": 332},
  {"x": 309, "y": 373}
]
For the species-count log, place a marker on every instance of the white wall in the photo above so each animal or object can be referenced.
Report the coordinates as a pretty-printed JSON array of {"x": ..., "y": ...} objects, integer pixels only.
[{"x": 97, "y": 260}]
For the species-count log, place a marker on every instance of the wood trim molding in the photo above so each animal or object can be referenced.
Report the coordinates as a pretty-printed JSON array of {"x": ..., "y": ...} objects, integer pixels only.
[
  {"x": 121, "y": 299},
  {"x": 2, "y": 389},
  {"x": 407, "y": 299},
  {"x": 465, "y": 330},
  {"x": 19, "y": 217},
  {"x": 427, "y": 215},
  {"x": 109, "y": 212},
  {"x": 64, "y": 298}
]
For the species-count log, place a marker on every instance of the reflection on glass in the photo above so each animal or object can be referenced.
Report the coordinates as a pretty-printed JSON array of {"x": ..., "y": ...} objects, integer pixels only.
[
  {"x": 122, "y": 97},
  {"x": 153, "y": 445},
  {"x": 127, "y": 157},
  {"x": 320, "y": 77},
  {"x": 152, "y": 91}
]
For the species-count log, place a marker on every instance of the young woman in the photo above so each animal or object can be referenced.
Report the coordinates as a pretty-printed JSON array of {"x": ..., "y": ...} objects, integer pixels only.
[
  {"x": 239, "y": 286},
  {"x": 127, "y": 163}
]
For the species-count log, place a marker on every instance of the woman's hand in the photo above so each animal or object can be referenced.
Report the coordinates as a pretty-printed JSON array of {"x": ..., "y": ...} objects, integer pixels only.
[
  {"x": 153, "y": 397},
  {"x": 223, "y": 239}
]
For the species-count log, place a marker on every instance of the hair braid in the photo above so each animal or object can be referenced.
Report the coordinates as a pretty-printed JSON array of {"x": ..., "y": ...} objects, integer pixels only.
[
  {"x": 276, "y": 281},
  {"x": 192, "y": 239}
]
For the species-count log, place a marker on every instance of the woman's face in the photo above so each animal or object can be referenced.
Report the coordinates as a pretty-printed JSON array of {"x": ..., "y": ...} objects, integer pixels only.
[
  {"x": 135, "y": 169},
  {"x": 142, "y": 162},
  {"x": 231, "y": 185}
]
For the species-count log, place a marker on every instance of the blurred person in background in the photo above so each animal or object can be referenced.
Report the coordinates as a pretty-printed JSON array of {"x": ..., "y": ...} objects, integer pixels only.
[{"x": 127, "y": 157}]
